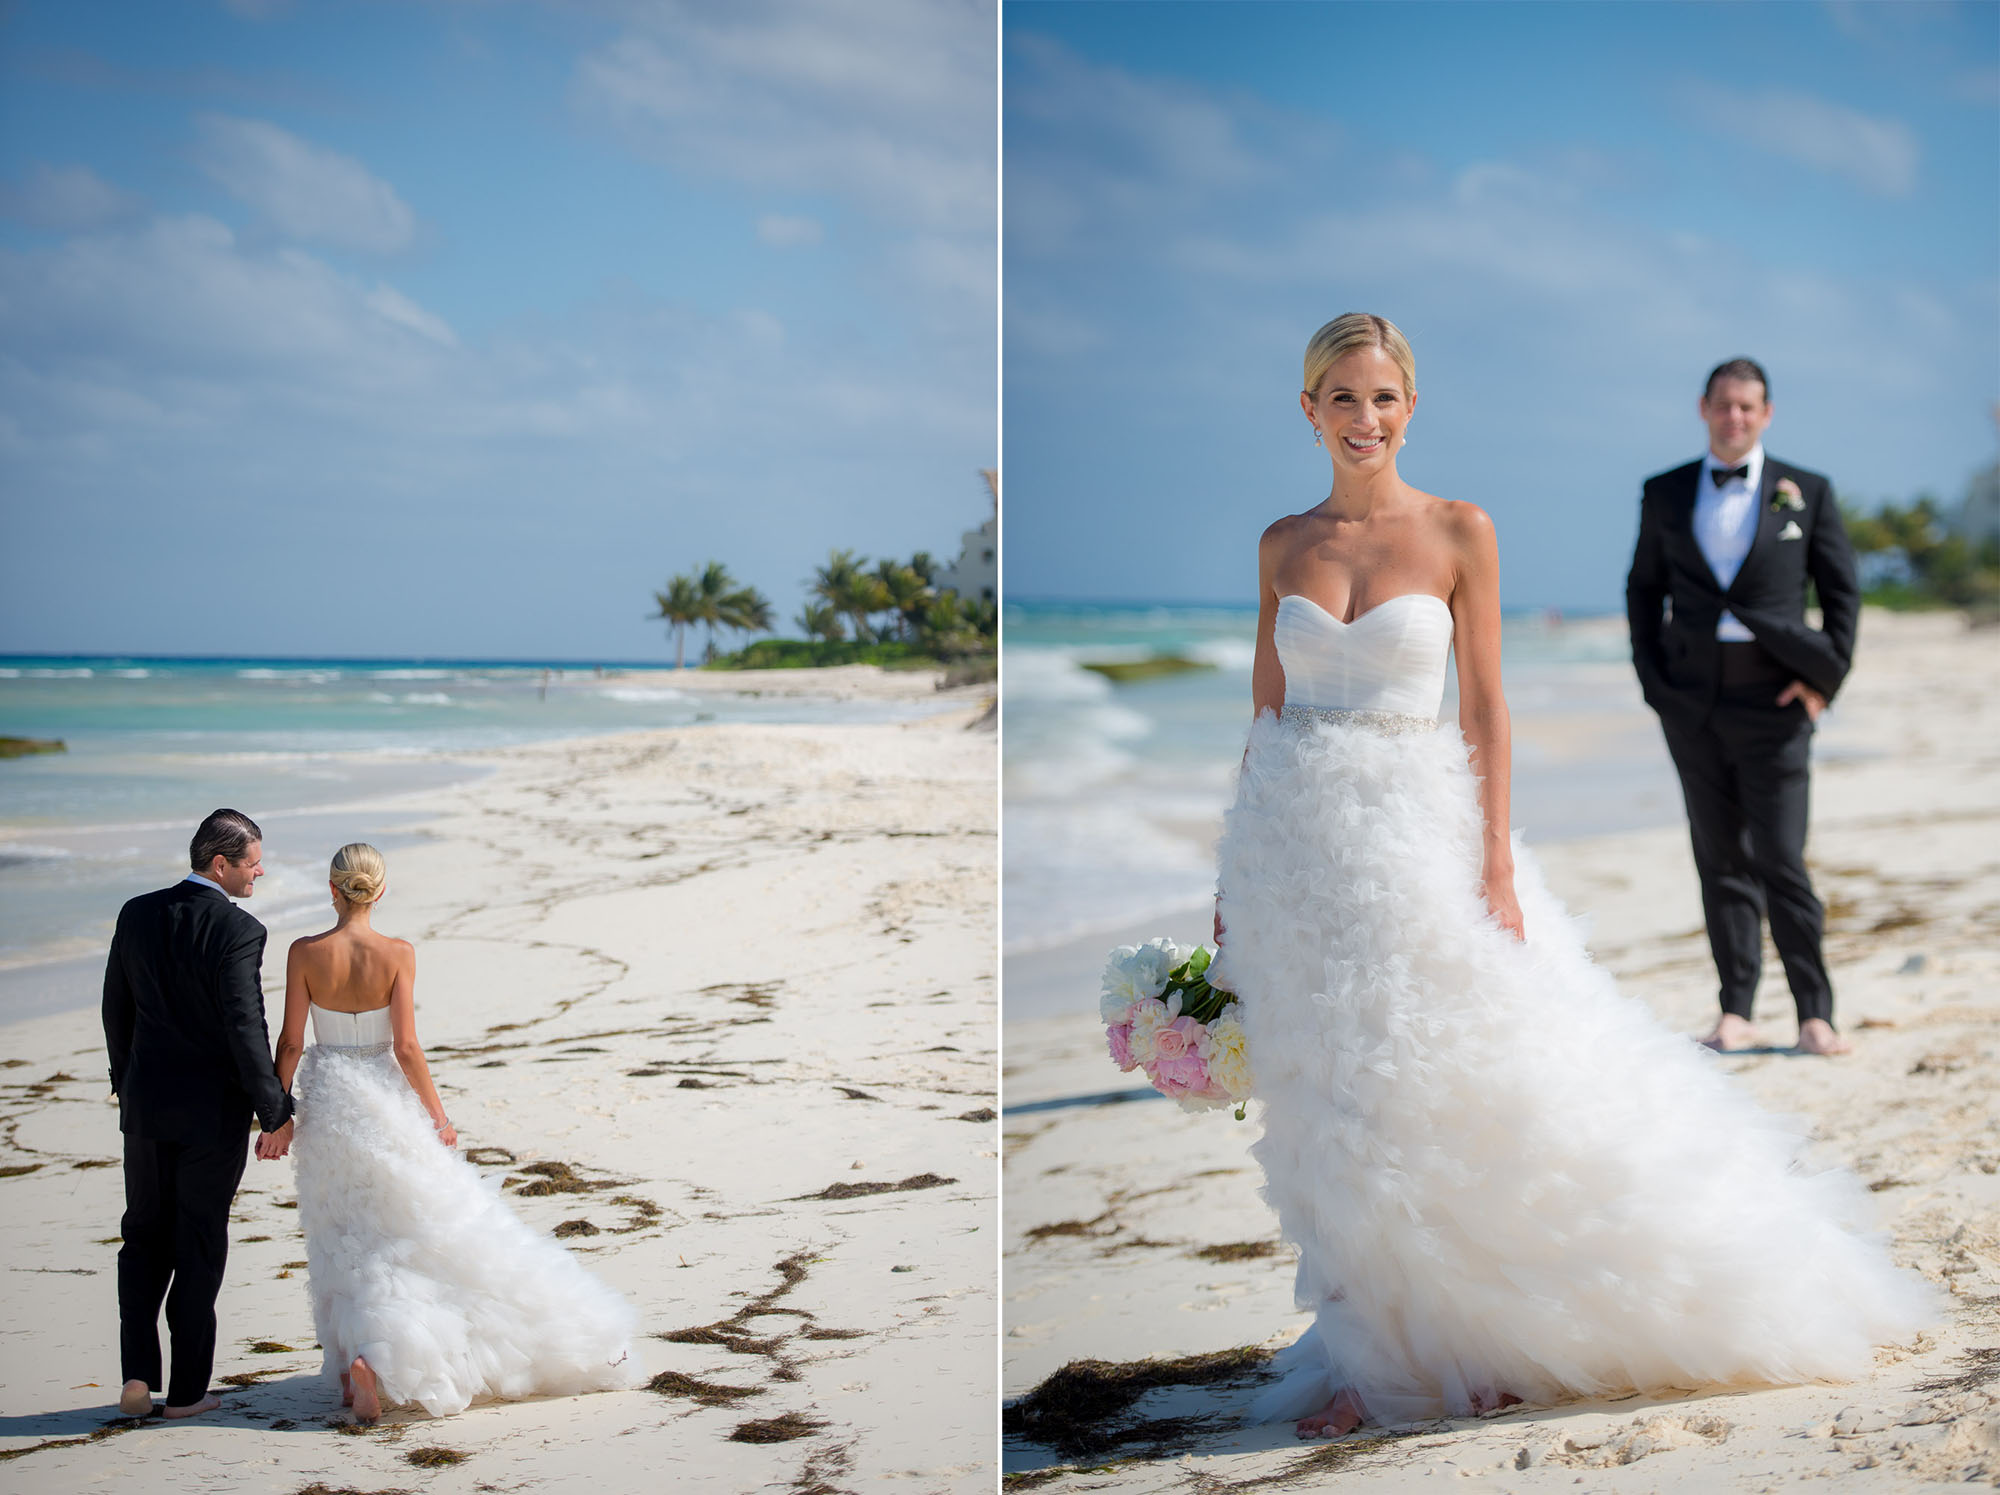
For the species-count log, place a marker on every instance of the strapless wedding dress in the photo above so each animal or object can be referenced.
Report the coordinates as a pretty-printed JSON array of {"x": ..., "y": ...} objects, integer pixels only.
[
  {"x": 1500, "y": 1174},
  {"x": 415, "y": 1261}
]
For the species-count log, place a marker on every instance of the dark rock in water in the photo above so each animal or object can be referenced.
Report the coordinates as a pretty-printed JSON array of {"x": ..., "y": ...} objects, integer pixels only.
[
  {"x": 21, "y": 747},
  {"x": 1128, "y": 671}
]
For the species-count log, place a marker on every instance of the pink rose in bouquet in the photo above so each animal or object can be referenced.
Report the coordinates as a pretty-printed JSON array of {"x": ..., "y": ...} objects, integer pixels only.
[
  {"x": 1186, "y": 1075},
  {"x": 1177, "y": 1038},
  {"x": 1119, "y": 1037}
]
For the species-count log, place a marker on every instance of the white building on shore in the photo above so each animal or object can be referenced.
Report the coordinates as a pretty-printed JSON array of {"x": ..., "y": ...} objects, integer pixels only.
[{"x": 975, "y": 575}]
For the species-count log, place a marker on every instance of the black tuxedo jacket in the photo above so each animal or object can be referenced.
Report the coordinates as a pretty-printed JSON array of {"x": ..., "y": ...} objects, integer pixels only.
[
  {"x": 1673, "y": 600},
  {"x": 184, "y": 1019}
]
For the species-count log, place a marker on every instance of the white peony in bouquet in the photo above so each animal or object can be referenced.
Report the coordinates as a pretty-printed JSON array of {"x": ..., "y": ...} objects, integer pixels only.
[{"x": 1161, "y": 1015}]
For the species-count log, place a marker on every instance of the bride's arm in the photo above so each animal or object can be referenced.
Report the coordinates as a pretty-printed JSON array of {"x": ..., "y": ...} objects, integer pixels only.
[
  {"x": 1267, "y": 673},
  {"x": 292, "y": 1036},
  {"x": 1482, "y": 707},
  {"x": 403, "y": 1040}
]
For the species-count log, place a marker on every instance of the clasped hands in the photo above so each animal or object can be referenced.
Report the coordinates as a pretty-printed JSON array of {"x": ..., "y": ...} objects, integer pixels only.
[{"x": 274, "y": 1145}]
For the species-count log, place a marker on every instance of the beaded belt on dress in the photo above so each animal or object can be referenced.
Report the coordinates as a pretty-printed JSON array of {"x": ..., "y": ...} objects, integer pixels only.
[
  {"x": 1383, "y": 723},
  {"x": 356, "y": 1050}
]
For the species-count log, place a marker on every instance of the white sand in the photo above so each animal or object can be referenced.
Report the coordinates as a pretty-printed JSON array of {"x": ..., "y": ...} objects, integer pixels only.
[
  {"x": 1906, "y": 850},
  {"x": 657, "y": 958}
]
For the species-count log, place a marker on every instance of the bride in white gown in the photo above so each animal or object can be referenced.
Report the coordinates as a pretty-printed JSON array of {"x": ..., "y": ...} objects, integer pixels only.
[
  {"x": 426, "y": 1288},
  {"x": 1504, "y": 1179}
]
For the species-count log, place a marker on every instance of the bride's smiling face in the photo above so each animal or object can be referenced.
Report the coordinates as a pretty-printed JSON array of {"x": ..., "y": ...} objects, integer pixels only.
[{"x": 1360, "y": 410}]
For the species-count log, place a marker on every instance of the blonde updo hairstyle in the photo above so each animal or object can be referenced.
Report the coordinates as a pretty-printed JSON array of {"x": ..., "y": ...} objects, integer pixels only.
[
  {"x": 1351, "y": 333},
  {"x": 358, "y": 873}
]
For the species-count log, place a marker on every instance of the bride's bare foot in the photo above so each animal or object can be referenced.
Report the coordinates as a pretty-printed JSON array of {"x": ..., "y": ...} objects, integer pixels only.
[
  {"x": 1336, "y": 1419},
  {"x": 136, "y": 1400},
  {"x": 1492, "y": 1401},
  {"x": 206, "y": 1404},
  {"x": 364, "y": 1399},
  {"x": 1731, "y": 1033},
  {"x": 1816, "y": 1036},
  {"x": 346, "y": 1389}
]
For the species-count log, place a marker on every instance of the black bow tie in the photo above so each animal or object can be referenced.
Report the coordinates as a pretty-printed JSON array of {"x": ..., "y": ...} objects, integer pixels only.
[{"x": 1726, "y": 474}]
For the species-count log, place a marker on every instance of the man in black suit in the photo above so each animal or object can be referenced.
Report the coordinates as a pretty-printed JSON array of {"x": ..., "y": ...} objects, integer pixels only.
[
  {"x": 190, "y": 1063},
  {"x": 1717, "y": 603}
]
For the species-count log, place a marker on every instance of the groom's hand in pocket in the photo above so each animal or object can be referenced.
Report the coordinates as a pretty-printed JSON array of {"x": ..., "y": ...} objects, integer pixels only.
[{"x": 274, "y": 1145}]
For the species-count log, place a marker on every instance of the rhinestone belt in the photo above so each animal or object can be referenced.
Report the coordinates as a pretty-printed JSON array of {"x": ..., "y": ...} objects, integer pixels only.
[
  {"x": 356, "y": 1050},
  {"x": 1383, "y": 723}
]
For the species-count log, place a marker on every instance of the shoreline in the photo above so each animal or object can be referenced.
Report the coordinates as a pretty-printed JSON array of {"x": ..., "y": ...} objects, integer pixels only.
[
  {"x": 738, "y": 982},
  {"x": 1136, "y": 1232},
  {"x": 399, "y": 791}
]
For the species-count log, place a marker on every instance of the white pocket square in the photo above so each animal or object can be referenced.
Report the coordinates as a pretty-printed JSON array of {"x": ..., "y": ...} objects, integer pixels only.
[{"x": 1791, "y": 531}]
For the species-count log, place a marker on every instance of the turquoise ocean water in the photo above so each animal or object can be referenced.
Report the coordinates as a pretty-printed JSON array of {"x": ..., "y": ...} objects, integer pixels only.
[
  {"x": 155, "y": 744},
  {"x": 1112, "y": 794}
]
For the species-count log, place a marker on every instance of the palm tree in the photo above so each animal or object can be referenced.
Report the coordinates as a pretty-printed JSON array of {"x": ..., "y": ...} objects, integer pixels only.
[
  {"x": 715, "y": 586},
  {"x": 680, "y": 604},
  {"x": 817, "y": 620},
  {"x": 905, "y": 591},
  {"x": 746, "y": 611},
  {"x": 847, "y": 589},
  {"x": 925, "y": 565}
]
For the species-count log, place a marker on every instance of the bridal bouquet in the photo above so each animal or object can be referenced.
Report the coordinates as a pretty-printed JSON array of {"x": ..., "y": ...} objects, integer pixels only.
[{"x": 1161, "y": 1015}]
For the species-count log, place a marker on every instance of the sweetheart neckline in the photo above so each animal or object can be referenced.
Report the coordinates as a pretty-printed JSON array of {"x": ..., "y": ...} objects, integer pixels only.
[{"x": 1369, "y": 613}]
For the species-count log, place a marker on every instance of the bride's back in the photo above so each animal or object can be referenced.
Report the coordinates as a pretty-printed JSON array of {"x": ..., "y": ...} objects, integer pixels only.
[{"x": 349, "y": 969}]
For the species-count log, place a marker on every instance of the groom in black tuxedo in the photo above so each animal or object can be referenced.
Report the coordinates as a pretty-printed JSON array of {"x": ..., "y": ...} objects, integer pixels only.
[
  {"x": 1717, "y": 603},
  {"x": 190, "y": 1064}
]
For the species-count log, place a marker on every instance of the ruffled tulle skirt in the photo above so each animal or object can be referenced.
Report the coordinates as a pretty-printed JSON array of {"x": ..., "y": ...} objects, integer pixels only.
[
  {"x": 1501, "y": 1174},
  {"x": 417, "y": 1264}
]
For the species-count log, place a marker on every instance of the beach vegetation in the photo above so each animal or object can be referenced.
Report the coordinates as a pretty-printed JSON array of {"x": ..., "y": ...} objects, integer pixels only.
[
  {"x": 887, "y": 613},
  {"x": 1911, "y": 558},
  {"x": 714, "y": 599}
]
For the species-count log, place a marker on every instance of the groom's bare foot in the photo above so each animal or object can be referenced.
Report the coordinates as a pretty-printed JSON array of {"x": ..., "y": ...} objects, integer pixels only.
[
  {"x": 136, "y": 1400},
  {"x": 1336, "y": 1419},
  {"x": 1816, "y": 1036},
  {"x": 1731, "y": 1033},
  {"x": 366, "y": 1401},
  {"x": 206, "y": 1404}
]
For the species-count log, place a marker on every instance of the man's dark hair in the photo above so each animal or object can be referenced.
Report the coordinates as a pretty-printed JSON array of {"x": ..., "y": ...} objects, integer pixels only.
[
  {"x": 1737, "y": 368},
  {"x": 227, "y": 834}
]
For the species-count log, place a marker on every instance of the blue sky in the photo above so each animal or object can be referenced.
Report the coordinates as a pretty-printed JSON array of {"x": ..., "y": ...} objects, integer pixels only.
[
  {"x": 455, "y": 329},
  {"x": 1573, "y": 210}
]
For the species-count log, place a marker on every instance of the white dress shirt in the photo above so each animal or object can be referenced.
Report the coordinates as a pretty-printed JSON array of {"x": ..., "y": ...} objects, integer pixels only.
[{"x": 1725, "y": 522}]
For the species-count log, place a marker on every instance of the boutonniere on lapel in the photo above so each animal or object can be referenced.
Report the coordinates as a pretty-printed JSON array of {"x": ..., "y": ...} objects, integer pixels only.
[{"x": 1787, "y": 497}]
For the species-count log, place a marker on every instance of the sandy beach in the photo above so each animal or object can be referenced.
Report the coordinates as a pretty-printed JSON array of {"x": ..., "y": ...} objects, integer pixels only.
[
  {"x": 1135, "y": 1232},
  {"x": 718, "y": 1006}
]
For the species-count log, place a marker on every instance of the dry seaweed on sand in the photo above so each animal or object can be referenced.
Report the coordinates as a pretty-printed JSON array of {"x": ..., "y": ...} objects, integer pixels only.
[
  {"x": 557, "y": 1178},
  {"x": 1982, "y": 1368},
  {"x": 1239, "y": 1251},
  {"x": 706, "y": 1393},
  {"x": 781, "y": 1429},
  {"x": 435, "y": 1458},
  {"x": 856, "y": 1191},
  {"x": 1070, "y": 1410}
]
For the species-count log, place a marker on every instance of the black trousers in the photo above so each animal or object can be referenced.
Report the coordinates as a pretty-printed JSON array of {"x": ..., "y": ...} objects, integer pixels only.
[
  {"x": 1744, "y": 774},
  {"x": 176, "y": 1229}
]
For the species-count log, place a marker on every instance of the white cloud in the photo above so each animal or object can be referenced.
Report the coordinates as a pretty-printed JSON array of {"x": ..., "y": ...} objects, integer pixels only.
[
  {"x": 788, "y": 232},
  {"x": 67, "y": 198},
  {"x": 1879, "y": 155},
  {"x": 890, "y": 102},
  {"x": 305, "y": 191}
]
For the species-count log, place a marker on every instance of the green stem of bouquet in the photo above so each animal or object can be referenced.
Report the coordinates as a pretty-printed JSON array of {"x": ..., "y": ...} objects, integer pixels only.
[{"x": 1199, "y": 1000}]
